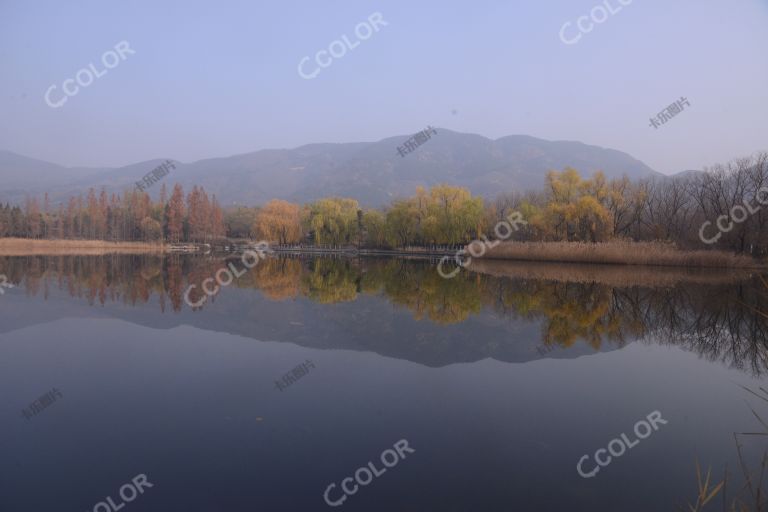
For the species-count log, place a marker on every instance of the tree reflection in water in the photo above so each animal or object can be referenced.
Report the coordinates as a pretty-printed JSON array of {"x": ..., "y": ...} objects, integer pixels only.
[{"x": 719, "y": 320}]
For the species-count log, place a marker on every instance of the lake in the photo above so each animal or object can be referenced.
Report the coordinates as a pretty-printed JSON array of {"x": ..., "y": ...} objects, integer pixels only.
[{"x": 373, "y": 384}]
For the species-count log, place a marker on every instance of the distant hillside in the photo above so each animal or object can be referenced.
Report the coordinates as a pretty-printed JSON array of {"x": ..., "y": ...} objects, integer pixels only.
[{"x": 372, "y": 172}]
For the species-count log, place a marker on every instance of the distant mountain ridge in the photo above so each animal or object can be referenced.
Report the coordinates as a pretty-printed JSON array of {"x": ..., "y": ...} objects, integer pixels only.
[{"x": 371, "y": 172}]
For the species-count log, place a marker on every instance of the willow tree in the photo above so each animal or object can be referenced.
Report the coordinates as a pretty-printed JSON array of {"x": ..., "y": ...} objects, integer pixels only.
[
  {"x": 575, "y": 208},
  {"x": 279, "y": 221},
  {"x": 453, "y": 215},
  {"x": 332, "y": 220},
  {"x": 402, "y": 220},
  {"x": 375, "y": 228},
  {"x": 442, "y": 215}
]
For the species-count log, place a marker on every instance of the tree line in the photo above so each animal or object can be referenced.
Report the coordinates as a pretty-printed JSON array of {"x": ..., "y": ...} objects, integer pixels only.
[
  {"x": 570, "y": 207},
  {"x": 673, "y": 209},
  {"x": 131, "y": 216}
]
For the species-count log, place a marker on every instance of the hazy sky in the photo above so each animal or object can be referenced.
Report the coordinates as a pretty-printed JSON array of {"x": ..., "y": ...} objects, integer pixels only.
[{"x": 212, "y": 79}]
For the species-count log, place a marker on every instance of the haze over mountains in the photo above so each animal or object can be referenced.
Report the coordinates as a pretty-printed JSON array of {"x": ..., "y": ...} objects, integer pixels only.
[{"x": 371, "y": 172}]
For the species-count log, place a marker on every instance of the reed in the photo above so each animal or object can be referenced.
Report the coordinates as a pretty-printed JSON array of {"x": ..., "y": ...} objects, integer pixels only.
[
  {"x": 31, "y": 247},
  {"x": 619, "y": 276},
  {"x": 619, "y": 253}
]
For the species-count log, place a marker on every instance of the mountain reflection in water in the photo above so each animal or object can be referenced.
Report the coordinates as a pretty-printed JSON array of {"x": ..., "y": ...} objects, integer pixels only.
[{"x": 714, "y": 315}]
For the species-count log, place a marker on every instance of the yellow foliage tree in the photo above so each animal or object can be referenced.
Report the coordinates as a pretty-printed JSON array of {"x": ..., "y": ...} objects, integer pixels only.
[
  {"x": 576, "y": 209},
  {"x": 279, "y": 221}
]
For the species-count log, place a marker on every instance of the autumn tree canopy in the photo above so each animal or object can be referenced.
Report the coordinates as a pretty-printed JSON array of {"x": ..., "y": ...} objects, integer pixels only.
[
  {"x": 279, "y": 221},
  {"x": 332, "y": 220}
]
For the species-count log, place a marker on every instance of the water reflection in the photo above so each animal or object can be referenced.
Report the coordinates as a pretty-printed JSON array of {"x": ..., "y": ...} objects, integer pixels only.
[{"x": 716, "y": 316}]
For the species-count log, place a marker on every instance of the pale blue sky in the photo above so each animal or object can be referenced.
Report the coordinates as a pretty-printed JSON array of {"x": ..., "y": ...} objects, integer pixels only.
[{"x": 213, "y": 79}]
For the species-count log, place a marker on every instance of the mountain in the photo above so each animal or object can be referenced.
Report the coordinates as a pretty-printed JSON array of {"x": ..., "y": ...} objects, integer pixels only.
[
  {"x": 372, "y": 172},
  {"x": 689, "y": 174}
]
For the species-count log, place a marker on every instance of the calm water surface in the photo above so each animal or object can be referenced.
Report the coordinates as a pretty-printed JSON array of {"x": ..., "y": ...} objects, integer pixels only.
[{"x": 500, "y": 380}]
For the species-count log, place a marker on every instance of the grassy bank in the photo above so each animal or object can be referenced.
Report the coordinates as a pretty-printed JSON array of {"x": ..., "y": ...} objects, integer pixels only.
[
  {"x": 618, "y": 253},
  {"x": 28, "y": 247}
]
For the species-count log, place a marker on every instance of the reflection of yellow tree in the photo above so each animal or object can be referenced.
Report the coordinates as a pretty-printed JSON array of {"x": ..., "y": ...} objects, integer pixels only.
[
  {"x": 422, "y": 290},
  {"x": 330, "y": 281},
  {"x": 572, "y": 311},
  {"x": 584, "y": 315},
  {"x": 277, "y": 278}
]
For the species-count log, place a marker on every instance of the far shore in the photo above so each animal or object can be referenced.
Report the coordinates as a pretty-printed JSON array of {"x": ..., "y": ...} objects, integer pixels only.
[
  {"x": 628, "y": 253},
  {"x": 32, "y": 247}
]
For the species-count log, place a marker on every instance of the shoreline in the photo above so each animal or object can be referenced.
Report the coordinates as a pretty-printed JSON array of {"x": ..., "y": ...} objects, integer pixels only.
[
  {"x": 57, "y": 247},
  {"x": 619, "y": 253}
]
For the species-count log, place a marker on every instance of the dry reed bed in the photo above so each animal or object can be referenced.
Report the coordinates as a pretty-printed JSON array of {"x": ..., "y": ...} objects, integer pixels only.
[
  {"x": 619, "y": 253},
  {"x": 618, "y": 276},
  {"x": 27, "y": 247}
]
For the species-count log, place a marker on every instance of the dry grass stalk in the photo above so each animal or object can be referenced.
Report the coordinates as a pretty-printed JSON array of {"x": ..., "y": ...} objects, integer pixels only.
[
  {"x": 618, "y": 253},
  {"x": 620, "y": 276},
  {"x": 30, "y": 247}
]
